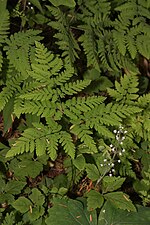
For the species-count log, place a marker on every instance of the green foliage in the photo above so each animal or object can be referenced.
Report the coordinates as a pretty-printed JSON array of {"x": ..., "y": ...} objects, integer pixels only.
[
  {"x": 94, "y": 200},
  {"x": 70, "y": 212},
  {"x": 120, "y": 200},
  {"x": 110, "y": 215},
  {"x": 70, "y": 3},
  {"x": 4, "y": 26}
]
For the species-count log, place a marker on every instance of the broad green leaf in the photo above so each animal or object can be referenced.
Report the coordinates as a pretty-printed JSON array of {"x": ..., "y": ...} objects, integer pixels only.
[
  {"x": 69, "y": 3},
  {"x": 6, "y": 198},
  {"x": 92, "y": 172},
  {"x": 120, "y": 200},
  {"x": 110, "y": 184},
  {"x": 22, "y": 204},
  {"x": 94, "y": 200},
  {"x": 79, "y": 162},
  {"x": 34, "y": 214},
  {"x": 26, "y": 167},
  {"x": 37, "y": 197},
  {"x": 14, "y": 187},
  {"x": 70, "y": 212},
  {"x": 110, "y": 215}
]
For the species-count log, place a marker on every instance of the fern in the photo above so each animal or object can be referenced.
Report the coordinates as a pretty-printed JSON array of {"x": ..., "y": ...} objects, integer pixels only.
[
  {"x": 89, "y": 44},
  {"x": 66, "y": 40},
  {"x": 84, "y": 135},
  {"x": 125, "y": 90},
  {"x": 4, "y": 26},
  {"x": 18, "y": 49},
  {"x": 107, "y": 42}
]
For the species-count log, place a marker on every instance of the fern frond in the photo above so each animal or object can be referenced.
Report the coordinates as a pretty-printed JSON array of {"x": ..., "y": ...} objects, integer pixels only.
[
  {"x": 36, "y": 139},
  {"x": 4, "y": 27},
  {"x": 103, "y": 130},
  {"x": 120, "y": 41},
  {"x": 17, "y": 49},
  {"x": 10, "y": 90},
  {"x": 67, "y": 143},
  {"x": 80, "y": 105},
  {"x": 1, "y": 60},
  {"x": 144, "y": 100},
  {"x": 52, "y": 145},
  {"x": 84, "y": 134},
  {"x": 125, "y": 90},
  {"x": 75, "y": 87},
  {"x": 143, "y": 45},
  {"x": 89, "y": 44},
  {"x": 131, "y": 46},
  {"x": 66, "y": 40},
  {"x": 4, "y": 23}
]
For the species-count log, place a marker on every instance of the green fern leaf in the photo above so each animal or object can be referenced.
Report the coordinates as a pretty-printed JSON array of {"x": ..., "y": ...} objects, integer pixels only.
[
  {"x": 119, "y": 39},
  {"x": 40, "y": 146},
  {"x": 75, "y": 87},
  {"x": 89, "y": 45},
  {"x": 9, "y": 219},
  {"x": 131, "y": 45},
  {"x": 52, "y": 146},
  {"x": 17, "y": 49},
  {"x": 143, "y": 45},
  {"x": 4, "y": 22},
  {"x": 83, "y": 134},
  {"x": 67, "y": 143},
  {"x": 66, "y": 40}
]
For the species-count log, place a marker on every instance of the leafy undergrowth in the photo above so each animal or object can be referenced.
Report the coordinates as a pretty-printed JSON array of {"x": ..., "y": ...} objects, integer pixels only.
[{"x": 74, "y": 112}]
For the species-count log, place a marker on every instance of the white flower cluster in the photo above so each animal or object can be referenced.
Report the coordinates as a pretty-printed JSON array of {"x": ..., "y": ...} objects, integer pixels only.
[
  {"x": 120, "y": 137},
  {"x": 29, "y": 4},
  {"x": 116, "y": 152},
  {"x": 120, "y": 134}
]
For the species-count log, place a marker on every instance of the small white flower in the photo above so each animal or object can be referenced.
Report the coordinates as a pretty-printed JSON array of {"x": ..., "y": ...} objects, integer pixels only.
[
  {"x": 110, "y": 174},
  {"x": 29, "y": 3},
  {"x": 101, "y": 165},
  {"x": 108, "y": 164},
  {"x": 112, "y": 164},
  {"x": 115, "y": 131},
  {"x": 105, "y": 160},
  {"x": 125, "y": 131},
  {"x": 31, "y": 7},
  {"x": 123, "y": 138},
  {"x": 117, "y": 137},
  {"x": 113, "y": 170},
  {"x": 111, "y": 146},
  {"x": 120, "y": 153},
  {"x": 113, "y": 149},
  {"x": 121, "y": 143},
  {"x": 119, "y": 161},
  {"x": 123, "y": 150},
  {"x": 104, "y": 211}
]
